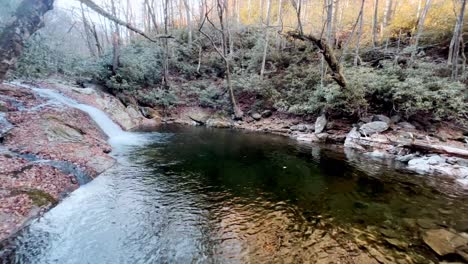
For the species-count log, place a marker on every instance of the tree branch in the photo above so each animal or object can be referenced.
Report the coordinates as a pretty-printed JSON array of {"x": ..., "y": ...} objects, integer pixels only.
[{"x": 108, "y": 15}]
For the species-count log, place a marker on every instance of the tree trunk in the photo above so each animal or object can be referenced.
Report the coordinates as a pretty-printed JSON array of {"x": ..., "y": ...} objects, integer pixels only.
[
  {"x": 279, "y": 24},
  {"x": 386, "y": 17},
  {"x": 267, "y": 38},
  {"x": 166, "y": 47},
  {"x": 421, "y": 21},
  {"x": 357, "y": 59},
  {"x": 27, "y": 20},
  {"x": 456, "y": 40},
  {"x": 115, "y": 42},
  {"x": 189, "y": 22},
  {"x": 328, "y": 54},
  {"x": 375, "y": 23}
]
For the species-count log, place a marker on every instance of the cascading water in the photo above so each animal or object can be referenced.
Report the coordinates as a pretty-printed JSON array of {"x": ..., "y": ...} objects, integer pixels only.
[{"x": 116, "y": 135}]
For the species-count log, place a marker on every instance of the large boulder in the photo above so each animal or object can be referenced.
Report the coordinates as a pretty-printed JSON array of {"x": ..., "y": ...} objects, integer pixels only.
[
  {"x": 373, "y": 128},
  {"x": 320, "y": 124},
  {"x": 443, "y": 241},
  {"x": 127, "y": 117}
]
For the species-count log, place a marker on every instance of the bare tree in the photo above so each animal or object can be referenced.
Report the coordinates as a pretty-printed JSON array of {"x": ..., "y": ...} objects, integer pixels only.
[
  {"x": 27, "y": 19},
  {"x": 375, "y": 23},
  {"x": 266, "y": 39},
  {"x": 223, "y": 51},
  {"x": 357, "y": 58},
  {"x": 457, "y": 39},
  {"x": 189, "y": 21},
  {"x": 422, "y": 19}
]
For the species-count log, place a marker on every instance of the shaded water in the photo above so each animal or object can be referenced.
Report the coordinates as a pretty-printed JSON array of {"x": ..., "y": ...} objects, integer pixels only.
[{"x": 197, "y": 195}]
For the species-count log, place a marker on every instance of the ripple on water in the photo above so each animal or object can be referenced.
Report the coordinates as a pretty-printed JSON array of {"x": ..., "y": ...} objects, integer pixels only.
[{"x": 215, "y": 196}]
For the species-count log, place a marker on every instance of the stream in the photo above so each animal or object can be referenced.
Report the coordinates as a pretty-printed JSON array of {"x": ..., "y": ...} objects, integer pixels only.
[{"x": 201, "y": 195}]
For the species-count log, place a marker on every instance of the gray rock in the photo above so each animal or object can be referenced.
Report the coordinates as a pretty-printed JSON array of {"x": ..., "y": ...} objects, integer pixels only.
[
  {"x": 444, "y": 242},
  {"x": 366, "y": 119},
  {"x": 382, "y": 118},
  {"x": 320, "y": 124},
  {"x": 436, "y": 159},
  {"x": 378, "y": 154},
  {"x": 406, "y": 125},
  {"x": 405, "y": 158},
  {"x": 85, "y": 91},
  {"x": 266, "y": 113},
  {"x": 256, "y": 116},
  {"x": 351, "y": 139},
  {"x": 302, "y": 128},
  {"x": 395, "y": 119},
  {"x": 218, "y": 123},
  {"x": 373, "y": 127}
]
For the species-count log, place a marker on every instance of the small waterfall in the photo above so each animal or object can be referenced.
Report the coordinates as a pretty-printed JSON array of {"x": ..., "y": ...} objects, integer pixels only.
[{"x": 117, "y": 136}]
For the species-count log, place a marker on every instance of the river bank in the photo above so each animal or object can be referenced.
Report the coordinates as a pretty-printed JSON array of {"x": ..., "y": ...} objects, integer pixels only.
[{"x": 44, "y": 160}]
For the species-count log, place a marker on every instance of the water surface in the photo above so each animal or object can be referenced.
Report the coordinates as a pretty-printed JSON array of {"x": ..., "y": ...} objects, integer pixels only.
[{"x": 198, "y": 195}]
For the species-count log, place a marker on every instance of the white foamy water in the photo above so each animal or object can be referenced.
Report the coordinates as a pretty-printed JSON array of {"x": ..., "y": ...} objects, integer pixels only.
[{"x": 117, "y": 136}]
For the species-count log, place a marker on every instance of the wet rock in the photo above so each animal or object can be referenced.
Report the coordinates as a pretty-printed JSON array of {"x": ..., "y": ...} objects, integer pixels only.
[
  {"x": 437, "y": 165},
  {"x": 267, "y": 113},
  {"x": 463, "y": 252},
  {"x": 85, "y": 91},
  {"x": 217, "y": 122},
  {"x": 309, "y": 137},
  {"x": 320, "y": 124},
  {"x": 57, "y": 130},
  {"x": 373, "y": 128},
  {"x": 378, "y": 154},
  {"x": 382, "y": 118},
  {"x": 256, "y": 116},
  {"x": 443, "y": 241},
  {"x": 366, "y": 119},
  {"x": 351, "y": 139},
  {"x": 406, "y": 125}
]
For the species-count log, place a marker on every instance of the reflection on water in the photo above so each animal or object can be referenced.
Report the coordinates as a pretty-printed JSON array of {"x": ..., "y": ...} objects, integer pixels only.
[{"x": 197, "y": 195}]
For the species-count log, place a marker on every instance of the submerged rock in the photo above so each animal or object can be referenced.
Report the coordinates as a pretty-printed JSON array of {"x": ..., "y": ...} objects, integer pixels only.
[
  {"x": 373, "y": 128},
  {"x": 444, "y": 242}
]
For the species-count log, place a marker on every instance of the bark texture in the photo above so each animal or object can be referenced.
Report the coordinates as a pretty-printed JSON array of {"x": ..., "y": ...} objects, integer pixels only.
[
  {"x": 27, "y": 20},
  {"x": 328, "y": 54}
]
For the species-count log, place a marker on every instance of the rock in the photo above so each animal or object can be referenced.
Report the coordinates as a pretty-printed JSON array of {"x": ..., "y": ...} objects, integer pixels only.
[
  {"x": 366, "y": 119},
  {"x": 435, "y": 159},
  {"x": 405, "y": 158},
  {"x": 395, "y": 119},
  {"x": 311, "y": 137},
  {"x": 127, "y": 117},
  {"x": 59, "y": 131},
  {"x": 320, "y": 124},
  {"x": 217, "y": 122},
  {"x": 3, "y": 107},
  {"x": 397, "y": 243},
  {"x": 406, "y": 125},
  {"x": 377, "y": 154},
  {"x": 382, "y": 118},
  {"x": 426, "y": 223},
  {"x": 267, "y": 113},
  {"x": 322, "y": 136},
  {"x": 443, "y": 242},
  {"x": 373, "y": 128},
  {"x": 85, "y": 91},
  {"x": 256, "y": 116},
  {"x": 351, "y": 139},
  {"x": 302, "y": 128},
  {"x": 463, "y": 252},
  {"x": 150, "y": 113}
]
